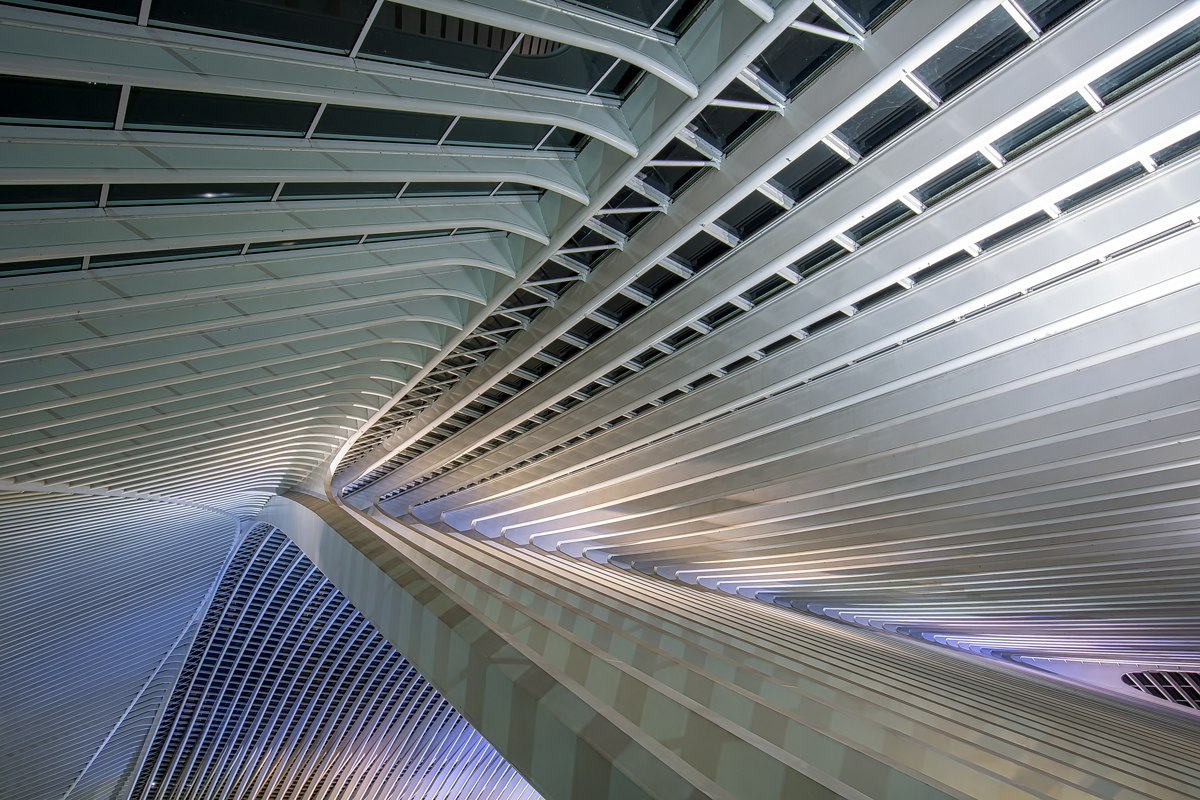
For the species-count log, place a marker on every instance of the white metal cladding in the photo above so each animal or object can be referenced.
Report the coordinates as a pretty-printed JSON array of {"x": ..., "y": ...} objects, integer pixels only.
[
  {"x": 101, "y": 600},
  {"x": 946, "y": 390},
  {"x": 999, "y": 385},
  {"x": 287, "y": 691}
]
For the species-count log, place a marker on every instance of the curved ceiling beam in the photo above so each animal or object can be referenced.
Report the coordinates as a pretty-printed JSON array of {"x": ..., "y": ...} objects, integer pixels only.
[
  {"x": 1103, "y": 38},
  {"x": 421, "y": 308},
  {"x": 34, "y": 235},
  {"x": 241, "y": 277},
  {"x": 641, "y": 47},
  {"x": 63, "y": 155},
  {"x": 108, "y": 52}
]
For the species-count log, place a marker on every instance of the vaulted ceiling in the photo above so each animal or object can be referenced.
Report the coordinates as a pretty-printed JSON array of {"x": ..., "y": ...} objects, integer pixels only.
[{"x": 879, "y": 311}]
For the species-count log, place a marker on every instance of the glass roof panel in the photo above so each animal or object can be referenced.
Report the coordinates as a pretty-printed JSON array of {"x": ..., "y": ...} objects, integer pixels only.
[
  {"x": 880, "y": 222},
  {"x": 158, "y": 194},
  {"x": 965, "y": 172},
  {"x": 1150, "y": 63},
  {"x": 39, "y": 101},
  {"x": 159, "y": 256},
  {"x": 680, "y": 16},
  {"x": 430, "y": 39},
  {"x": 1061, "y": 115},
  {"x": 725, "y": 127},
  {"x": 338, "y": 191},
  {"x": 671, "y": 180},
  {"x": 14, "y": 268},
  {"x": 545, "y": 63},
  {"x": 165, "y": 110},
  {"x": 302, "y": 244},
  {"x": 17, "y": 197},
  {"x": 405, "y": 235},
  {"x": 1100, "y": 187},
  {"x": 979, "y": 48},
  {"x": 375, "y": 124},
  {"x": 750, "y": 214},
  {"x": 497, "y": 133},
  {"x": 886, "y": 116},
  {"x": 796, "y": 56},
  {"x": 321, "y": 24},
  {"x": 111, "y": 9},
  {"x": 449, "y": 189},
  {"x": 868, "y": 12},
  {"x": 619, "y": 82},
  {"x": 646, "y": 12},
  {"x": 564, "y": 139},
  {"x": 519, "y": 189},
  {"x": 1047, "y": 13},
  {"x": 809, "y": 171}
]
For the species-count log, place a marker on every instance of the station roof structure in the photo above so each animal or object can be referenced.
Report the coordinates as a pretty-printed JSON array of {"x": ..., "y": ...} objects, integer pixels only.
[{"x": 871, "y": 311}]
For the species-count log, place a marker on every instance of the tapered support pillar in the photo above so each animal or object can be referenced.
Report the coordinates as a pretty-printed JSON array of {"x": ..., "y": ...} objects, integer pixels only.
[{"x": 599, "y": 683}]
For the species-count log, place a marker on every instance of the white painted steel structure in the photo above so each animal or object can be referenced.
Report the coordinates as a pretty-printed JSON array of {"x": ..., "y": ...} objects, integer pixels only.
[{"x": 877, "y": 312}]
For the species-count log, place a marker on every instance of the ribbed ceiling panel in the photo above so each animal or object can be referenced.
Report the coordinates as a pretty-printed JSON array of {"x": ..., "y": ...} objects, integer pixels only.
[
  {"x": 288, "y": 692},
  {"x": 100, "y": 595}
]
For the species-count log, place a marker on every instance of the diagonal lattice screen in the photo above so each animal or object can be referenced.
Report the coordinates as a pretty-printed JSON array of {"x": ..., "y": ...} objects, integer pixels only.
[{"x": 289, "y": 692}]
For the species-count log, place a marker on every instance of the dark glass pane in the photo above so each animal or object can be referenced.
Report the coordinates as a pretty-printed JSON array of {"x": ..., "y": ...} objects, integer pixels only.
[
  {"x": 880, "y": 222},
  {"x": 163, "y": 110},
  {"x": 643, "y": 11},
  {"x": 796, "y": 56},
  {"x": 817, "y": 260},
  {"x": 148, "y": 194},
  {"x": 338, "y": 191},
  {"x": 938, "y": 267},
  {"x": 449, "y": 189},
  {"x": 430, "y": 39},
  {"x": 509, "y": 189},
  {"x": 547, "y": 63},
  {"x": 680, "y": 16},
  {"x": 302, "y": 244},
  {"x": 767, "y": 289},
  {"x": 322, "y": 24},
  {"x": 1046, "y": 13},
  {"x": 39, "y": 101},
  {"x": 867, "y": 12},
  {"x": 750, "y": 214},
  {"x": 1150, "y": 63},
  {"x": 620, "y": 81},
  {"x": 657, "y": 281},
  {"x": 564, "y": 139},
  {"x": 1100, "y": 187},
  {"x": 725, "y": 127},
  {"x": 626, "y": 223},
  {"x": 978, "y": 49},
  {"x": 1012, "y": 230},
  {"x": 700, "y": 251},
  {"x": 13, "y": 268},
  {"x": 345, "y": 122},
  {"x": 587, "y": 238},
  {"x": 163, "y": 256},
  {"x": 672, "y": 180},
  {"x": 15, "y": 197},
  {"x": 1054, "y": 119},
  {"x": 886, "y": 116},
  {"x": 962, "y": 174},
  {"x": 810, "y": 171},
  {"x": 399, "y": 237},
  {"x": 497, "y": 133},
  {"x": 889, "y": 291},
  {"x": 1176, "y": 150},
  {"x": 112, "y": 9}
]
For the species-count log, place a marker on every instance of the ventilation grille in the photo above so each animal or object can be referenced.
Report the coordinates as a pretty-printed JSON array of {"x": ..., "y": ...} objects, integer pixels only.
[{"x": 1178, "y": 687}]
